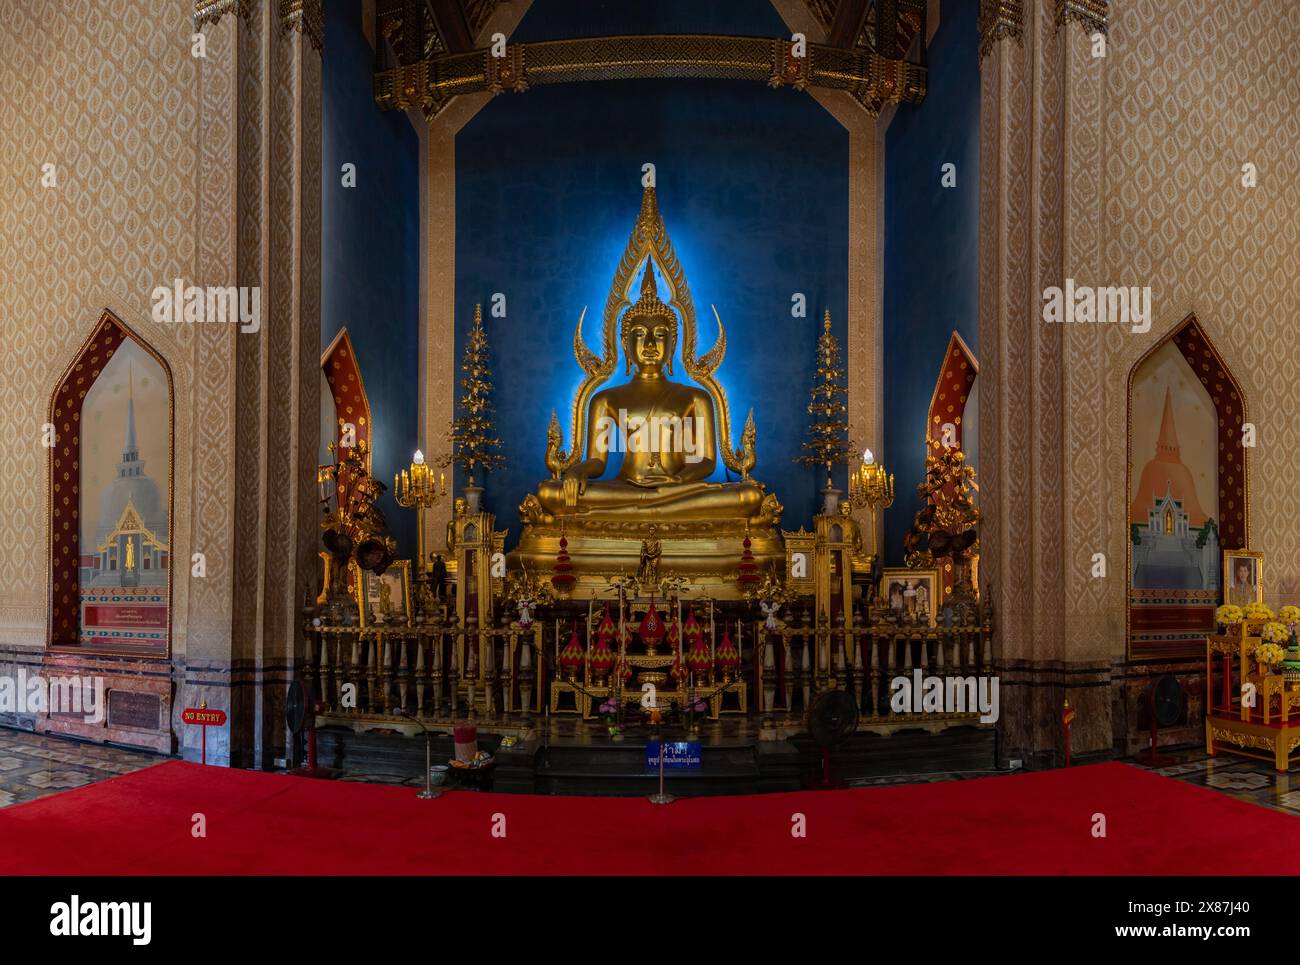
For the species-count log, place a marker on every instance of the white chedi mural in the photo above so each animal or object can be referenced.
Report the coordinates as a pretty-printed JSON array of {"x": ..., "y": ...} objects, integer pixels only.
[
  {"x": 1173, "y": 489},
  {"x": 125, "y": 535}
]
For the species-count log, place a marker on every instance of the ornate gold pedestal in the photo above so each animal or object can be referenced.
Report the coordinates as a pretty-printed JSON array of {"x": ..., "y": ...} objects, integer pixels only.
[{"x": 705, "y": 553}]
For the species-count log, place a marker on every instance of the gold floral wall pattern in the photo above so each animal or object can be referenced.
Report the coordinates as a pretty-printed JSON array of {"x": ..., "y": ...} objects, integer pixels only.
[
  {"x": 116, "y": 219},
  {"x": 1125, "y": 170},
  {"x": 1177, "y": 130}
]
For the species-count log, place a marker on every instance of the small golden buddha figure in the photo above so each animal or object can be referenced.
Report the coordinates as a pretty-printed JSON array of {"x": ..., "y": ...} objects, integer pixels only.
[
  {"x": 665, "y": 431},
  {"x": 648, "y": 567}
]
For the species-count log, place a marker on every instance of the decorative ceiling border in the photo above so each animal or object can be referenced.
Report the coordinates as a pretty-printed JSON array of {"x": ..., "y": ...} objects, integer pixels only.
[
  {"x": 1000, "y": 20},
  {"x": 211, "y": 11},
  {"x": 872, "y": 80},
  {"x": 306, "y": 17},
  {"x": 1092, "y": 15}
]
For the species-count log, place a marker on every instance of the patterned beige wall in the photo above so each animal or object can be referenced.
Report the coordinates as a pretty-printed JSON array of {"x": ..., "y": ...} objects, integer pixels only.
[
  {"x": 108, "y": 97},
  {"x": 1125, "y": 170},
  {"x": 1191, "y": 91}
]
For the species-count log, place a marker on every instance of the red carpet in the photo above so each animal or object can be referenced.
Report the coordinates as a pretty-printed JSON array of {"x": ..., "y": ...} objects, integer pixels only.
[{"x": 271, "y": 824}]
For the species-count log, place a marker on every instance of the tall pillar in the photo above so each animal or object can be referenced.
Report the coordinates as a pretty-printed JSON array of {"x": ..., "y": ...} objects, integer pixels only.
[
  {"x": 439, "y": 324},
  {"x": 260, "y": 132},
  {"x": 1035, "y": 566},
  {"x": 229, "y": 225},
  {"x": 1095, "y": 639}
]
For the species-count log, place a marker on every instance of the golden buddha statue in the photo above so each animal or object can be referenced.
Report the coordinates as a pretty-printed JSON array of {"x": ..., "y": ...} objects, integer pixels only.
[
  {"x": 665, "y": 431},
  {"x": 670, "y": 436}
]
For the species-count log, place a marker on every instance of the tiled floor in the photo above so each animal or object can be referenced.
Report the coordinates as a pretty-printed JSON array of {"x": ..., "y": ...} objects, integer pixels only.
[
  {"x": 1241, "y": 777},
  {"x": 34, "y": 765}
]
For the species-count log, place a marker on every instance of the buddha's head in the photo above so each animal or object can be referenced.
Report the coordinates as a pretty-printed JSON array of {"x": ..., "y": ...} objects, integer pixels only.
[{"x": 649, "y": 330}]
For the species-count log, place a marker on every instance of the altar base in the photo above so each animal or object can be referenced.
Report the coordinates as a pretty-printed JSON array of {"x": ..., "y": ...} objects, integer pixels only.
[
  {"x": 738, "y": 755},
  {"x": 706, "y": 555}
]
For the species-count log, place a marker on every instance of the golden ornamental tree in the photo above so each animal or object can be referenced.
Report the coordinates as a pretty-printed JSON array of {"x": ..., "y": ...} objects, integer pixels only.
[
  {"x": 827, "y": 443},
  {"x": 474, "y": 443}
]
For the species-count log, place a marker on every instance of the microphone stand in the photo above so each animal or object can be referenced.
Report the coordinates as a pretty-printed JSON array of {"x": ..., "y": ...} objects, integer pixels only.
[{"x": 428, "y": 794}]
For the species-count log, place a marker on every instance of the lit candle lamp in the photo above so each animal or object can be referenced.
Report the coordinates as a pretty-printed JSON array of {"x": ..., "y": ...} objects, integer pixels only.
[
  {"x": 872, "y": 488},
  {"x": 413, "y": 489}
]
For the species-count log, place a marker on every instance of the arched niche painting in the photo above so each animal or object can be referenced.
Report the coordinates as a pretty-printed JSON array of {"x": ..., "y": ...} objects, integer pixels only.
[
  {"x": 112, "y": 487},
  {"x": 1186, "y": 492}
]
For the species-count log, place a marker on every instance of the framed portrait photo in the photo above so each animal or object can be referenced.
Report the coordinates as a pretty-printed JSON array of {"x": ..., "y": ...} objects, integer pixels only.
[
  {"x": 912, "y": 595},
  {"x": 1243, "y": 577},
  {"x": 385, "y": 600}
]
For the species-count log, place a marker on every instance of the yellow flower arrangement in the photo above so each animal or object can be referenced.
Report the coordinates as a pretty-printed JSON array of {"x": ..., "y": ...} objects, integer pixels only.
[
  {"x": 1275, "y": 634},
  {"x": 1229, "y": 614},
  {"x": 1269, "y": 654},
  {"x": 1256, "y": 611},
  {"x": 1289, "y": 614}
]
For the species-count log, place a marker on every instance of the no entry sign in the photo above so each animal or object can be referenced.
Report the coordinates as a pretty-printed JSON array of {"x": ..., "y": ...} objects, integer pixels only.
[{"x": 201, "y": 716}]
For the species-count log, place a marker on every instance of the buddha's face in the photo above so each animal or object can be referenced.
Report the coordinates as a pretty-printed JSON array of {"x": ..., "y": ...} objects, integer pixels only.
[{"x": 649, "y": 343}]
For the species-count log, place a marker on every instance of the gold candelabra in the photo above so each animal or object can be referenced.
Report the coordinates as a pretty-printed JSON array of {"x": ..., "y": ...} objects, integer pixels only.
[
  {"x": 871, "y": 487},
  {"x": 414, "y": 488}
]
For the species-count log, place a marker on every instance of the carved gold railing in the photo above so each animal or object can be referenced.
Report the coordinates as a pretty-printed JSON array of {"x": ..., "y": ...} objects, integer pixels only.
[
  {"x": 797, "y": 662},
  {"x": 445, "y": 672},
  {"x": 436, "y": 672}
]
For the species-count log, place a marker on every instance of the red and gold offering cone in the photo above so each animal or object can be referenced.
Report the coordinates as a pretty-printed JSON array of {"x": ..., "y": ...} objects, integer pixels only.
[
  {"x": 748, "y": 575},
  {"x": 726, "y": 658},
  {"x": 602, "y": 657},
  {"x": 571, "y": 656},
  {"x": 607, "y": 629},
  {"x": 652, "y": 629},
  {"x": 562, "y": 577},
  {"x": 699, "y": 660}
]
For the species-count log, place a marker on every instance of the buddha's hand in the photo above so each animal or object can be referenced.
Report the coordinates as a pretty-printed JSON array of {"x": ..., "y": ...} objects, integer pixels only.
[{"x": 575, "y": 485}]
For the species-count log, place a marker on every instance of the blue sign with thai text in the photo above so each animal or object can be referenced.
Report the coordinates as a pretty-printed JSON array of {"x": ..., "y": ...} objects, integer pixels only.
[{"x": 678, "y": 754}]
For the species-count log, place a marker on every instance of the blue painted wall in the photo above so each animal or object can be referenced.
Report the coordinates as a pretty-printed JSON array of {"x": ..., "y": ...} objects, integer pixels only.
[
  {"x": 931, "y": 252},
  {"x": 753, "y": 186},
  {"x": 370, "y": 247}
]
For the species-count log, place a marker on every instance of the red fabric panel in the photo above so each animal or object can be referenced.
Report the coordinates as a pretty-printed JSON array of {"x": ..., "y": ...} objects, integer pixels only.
[
  {"x": 1209, "y": 368},
  {"x": 343, "y": 376},
  {"x": 65, "y": 479},
  {"x": 948, "y": 405}
]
